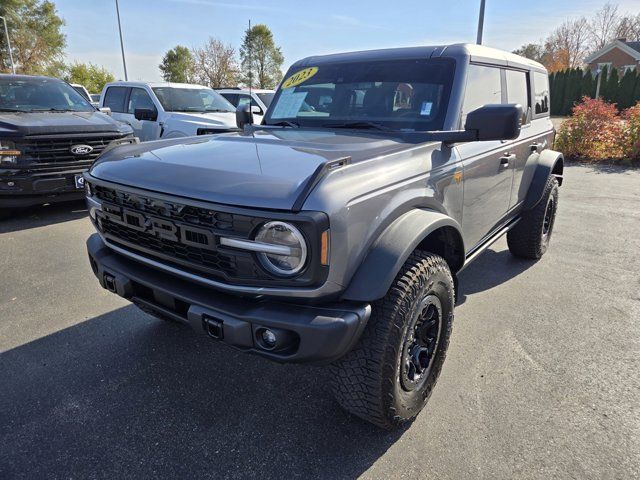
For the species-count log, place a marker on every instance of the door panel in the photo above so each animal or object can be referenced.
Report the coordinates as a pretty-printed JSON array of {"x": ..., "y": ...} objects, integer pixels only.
[
  {"x": 145, "y": 130},
  {"x": 488, "y": 178}
]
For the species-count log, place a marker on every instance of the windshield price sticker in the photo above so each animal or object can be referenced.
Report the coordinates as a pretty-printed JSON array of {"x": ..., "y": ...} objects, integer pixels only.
[
  {"x": 299, "y": 77},
  {"x": 289, "y": 104}
]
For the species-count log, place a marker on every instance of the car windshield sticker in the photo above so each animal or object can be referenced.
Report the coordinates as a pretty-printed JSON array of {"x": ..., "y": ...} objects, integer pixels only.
[
  {"x": 288, "y": 104},
  {"x": 426, "y": 108},
  {"x": 299, "y": 77}
]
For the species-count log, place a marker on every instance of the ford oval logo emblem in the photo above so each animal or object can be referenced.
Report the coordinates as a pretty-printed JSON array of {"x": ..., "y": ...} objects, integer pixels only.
[{"x": 81, "y": 149}]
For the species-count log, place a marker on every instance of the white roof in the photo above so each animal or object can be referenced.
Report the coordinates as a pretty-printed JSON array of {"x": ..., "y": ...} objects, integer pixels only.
[
  {"x": 157, "y": 84},
  {"x": 244, "y": 90}
]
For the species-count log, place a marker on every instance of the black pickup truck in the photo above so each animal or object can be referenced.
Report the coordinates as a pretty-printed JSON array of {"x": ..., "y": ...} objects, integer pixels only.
[{"x": 49, "y": 135}]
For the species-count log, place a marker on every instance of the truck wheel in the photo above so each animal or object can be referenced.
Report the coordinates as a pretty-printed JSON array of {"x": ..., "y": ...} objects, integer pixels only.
[
  {"x": 388, "y": 376},
  {"x": 531, "y": 235}
]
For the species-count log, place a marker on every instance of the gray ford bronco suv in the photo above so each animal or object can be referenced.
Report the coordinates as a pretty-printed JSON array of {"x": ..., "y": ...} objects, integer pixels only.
[{"x": 334, "y": 231}]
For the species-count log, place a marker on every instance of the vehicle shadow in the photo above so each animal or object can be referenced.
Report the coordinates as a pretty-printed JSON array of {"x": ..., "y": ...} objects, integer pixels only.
[
  {"x": 490, "y": 269},
  {"x": 123, "y": 395},
  {"x": 40, "y": 216}
]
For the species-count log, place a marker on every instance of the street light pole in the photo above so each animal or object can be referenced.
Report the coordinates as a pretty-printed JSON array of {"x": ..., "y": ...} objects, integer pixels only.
[
  {"x": 6, "y": 32},
  {"x": 480, "y": 23},
  {"x": 124, "y": 62}
]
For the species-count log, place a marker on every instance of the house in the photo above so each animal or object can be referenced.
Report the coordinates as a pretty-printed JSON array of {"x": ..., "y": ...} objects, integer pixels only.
[{"x": 619, "y": 54}]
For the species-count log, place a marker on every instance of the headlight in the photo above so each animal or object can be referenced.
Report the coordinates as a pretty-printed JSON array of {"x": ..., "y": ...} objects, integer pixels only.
[
  {"x": 8, "y": 152},
  {"x": 284, "y": 235}
]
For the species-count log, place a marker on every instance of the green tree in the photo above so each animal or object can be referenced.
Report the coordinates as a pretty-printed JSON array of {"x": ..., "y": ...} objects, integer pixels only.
[
  {"x": 610, "y": 92},
  {"x": 93, "y": 77},
  {"x": 625, "y": 91},
  {"x": 260, "y": 58},
  {"x": 177, "y": 65},
  {"x": 588, "y": 85},
  {"x": 35, "y": 31},
  {"x": 534, "y": 51}
]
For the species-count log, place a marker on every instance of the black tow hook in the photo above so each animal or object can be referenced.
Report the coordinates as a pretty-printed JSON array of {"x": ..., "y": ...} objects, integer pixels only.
[
  {"x": 213, "y": 327},
  {"x": 110, "y": 283}
]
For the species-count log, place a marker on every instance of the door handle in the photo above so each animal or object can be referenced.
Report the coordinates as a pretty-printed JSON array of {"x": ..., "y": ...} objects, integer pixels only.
[{"x": 505, "y": 160}]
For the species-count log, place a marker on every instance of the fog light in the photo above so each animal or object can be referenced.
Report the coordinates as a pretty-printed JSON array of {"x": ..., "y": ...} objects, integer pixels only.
[{"x": 269, "y": 338}]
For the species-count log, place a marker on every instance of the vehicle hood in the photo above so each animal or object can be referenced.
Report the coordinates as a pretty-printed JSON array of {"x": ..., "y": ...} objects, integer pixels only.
[
  {"x": 265, "y": 169},
  {"x": 43, "y": 123},
  {"x": 228, "y": 119}
]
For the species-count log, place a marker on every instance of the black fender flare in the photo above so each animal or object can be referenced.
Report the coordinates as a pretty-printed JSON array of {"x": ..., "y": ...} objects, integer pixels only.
[
  {"x": 376, "y": 273},
  {"x": 549, "y": 163}
]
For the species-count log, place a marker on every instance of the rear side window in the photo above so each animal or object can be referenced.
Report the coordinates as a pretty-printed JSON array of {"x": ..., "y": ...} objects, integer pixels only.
[
  {"x": 518, "y": 90},
  {"x": 232, "y": 98},
  {"x": 483, "y": 88},
  {"x": 541, "y": 90},
  {"x": 114, "y": 98}
]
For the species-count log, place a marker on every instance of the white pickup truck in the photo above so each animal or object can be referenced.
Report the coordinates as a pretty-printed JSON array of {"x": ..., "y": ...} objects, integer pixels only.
[{"x": 168, "y": 110}]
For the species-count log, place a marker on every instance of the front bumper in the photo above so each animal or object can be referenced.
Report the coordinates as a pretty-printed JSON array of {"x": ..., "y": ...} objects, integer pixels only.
[
  {"x": 24, "y": 189},
  {"x": 306, "y": 333}
]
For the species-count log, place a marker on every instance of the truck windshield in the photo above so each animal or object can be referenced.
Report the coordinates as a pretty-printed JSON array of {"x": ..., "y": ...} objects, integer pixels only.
[
  {"x": 199, "y": 100},
  {"x": 409, "y": 95},
  {"x": 40, "y": 95}
]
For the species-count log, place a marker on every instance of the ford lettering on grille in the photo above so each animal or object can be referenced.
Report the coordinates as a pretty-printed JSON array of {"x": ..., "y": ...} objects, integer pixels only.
[
  {"x": 81, "y": 149},
  {"x": 160, "y": 227}
]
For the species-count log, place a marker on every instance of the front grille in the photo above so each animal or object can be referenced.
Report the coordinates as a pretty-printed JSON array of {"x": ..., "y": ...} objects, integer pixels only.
[
  {"x": 192, "y": 248},
  {"x": 48, "y": 149},
  {"x": 208, "y": 259},
  {"x": 241, "y": 225}
]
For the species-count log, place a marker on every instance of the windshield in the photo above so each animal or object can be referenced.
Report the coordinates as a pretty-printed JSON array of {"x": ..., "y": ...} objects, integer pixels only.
[
  {"x": 40, "y": 94},
  {"x": 266, "y": 98},
  {"x": 407, "y": 95},
  {"x": 199, "y": 100}
]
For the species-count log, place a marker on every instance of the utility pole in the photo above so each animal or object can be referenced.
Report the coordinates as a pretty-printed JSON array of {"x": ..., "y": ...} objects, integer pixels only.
[
  {"x": 250, "y": 64},
  {"x": 124, "y": 62},
  {"x": 6, "y": 32},
  {"x": 480, "y": 23}
]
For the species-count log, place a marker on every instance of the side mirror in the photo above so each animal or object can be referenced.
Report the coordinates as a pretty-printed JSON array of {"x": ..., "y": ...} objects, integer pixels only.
[
  {"x": 495, "y": 122},
  {"x": 149, "y": 114},
  {"x": 243, "y": 116},
  {"x": 256, "y": 110},
  {"x": 105, "y": 110}
]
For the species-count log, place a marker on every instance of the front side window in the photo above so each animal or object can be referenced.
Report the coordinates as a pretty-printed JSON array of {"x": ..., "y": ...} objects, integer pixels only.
[
  {"x": 139, "y": 98},
  {"x": 194, "y": 100},
  {"x": 409, "y": 95},
  {"x": 541, "y": 92},
  {"x": 518, "y": 90},
  {"x": 114, "y": 99},
  {"x": 266, "y": 98},
  {"x": 40, "y": 95},
  {"x": 484, "y": 87}
]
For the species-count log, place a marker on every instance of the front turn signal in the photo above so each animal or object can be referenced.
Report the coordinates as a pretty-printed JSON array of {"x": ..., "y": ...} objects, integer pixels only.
[{"x": 324, "y": 248}]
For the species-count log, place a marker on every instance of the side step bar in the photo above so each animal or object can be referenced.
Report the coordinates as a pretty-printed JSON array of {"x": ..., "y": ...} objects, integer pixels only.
[{"x": 475, "y": 253}]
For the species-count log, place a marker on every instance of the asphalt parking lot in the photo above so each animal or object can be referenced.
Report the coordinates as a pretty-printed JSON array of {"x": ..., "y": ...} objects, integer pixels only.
[{"x": 542, "y": 379}]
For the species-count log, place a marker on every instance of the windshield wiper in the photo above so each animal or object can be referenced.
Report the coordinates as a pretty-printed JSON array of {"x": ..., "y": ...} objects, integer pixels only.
[
  {"x": 284, "y": 123},
  {"x": 218, "y": 110},
  {"x": 358, "y": 125},
  {"x": 53, "y": 109},
  {"x": 12, "y": 110}
]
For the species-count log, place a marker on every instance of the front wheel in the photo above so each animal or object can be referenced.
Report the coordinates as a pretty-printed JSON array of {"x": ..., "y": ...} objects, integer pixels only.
[{"x": 389, "y": 375}]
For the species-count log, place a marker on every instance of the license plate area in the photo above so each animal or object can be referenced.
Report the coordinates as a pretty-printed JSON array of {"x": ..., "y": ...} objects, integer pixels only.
[{"x": 79, "y": 181}]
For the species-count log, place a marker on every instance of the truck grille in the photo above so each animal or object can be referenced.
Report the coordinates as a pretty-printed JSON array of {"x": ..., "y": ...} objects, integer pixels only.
[
  {"x": 49, "y": 149},
  {"x": 177, "y": 234}
]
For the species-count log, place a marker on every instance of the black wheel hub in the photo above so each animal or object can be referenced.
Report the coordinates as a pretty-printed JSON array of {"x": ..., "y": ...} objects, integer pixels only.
[
  {"x": 548, "y": 218},
  {"x": 421, "y": 343}
]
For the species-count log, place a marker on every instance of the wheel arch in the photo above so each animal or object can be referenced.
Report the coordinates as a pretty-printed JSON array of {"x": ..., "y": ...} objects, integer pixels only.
[
  {"x": 417, "y": 229},
  {"x": 549, "y": 163}
]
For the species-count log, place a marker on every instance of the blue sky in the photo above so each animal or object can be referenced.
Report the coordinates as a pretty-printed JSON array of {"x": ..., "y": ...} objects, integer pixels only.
[{"x": 301, "y": 28}]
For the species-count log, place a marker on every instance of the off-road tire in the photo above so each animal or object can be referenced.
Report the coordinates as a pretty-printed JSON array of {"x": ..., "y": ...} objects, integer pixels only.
[
  {"x": 531, "y": 235},
  {"x": 366, "y": 381}
]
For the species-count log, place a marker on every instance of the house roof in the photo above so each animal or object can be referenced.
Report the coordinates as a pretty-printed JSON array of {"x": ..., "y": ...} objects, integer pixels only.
[{"x": 630, "y": 48}]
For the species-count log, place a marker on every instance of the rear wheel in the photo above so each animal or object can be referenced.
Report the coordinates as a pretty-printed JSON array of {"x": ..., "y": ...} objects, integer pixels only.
[
  {"x": 388, "y": 377},
  {"x": 531, "y": 236}
]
